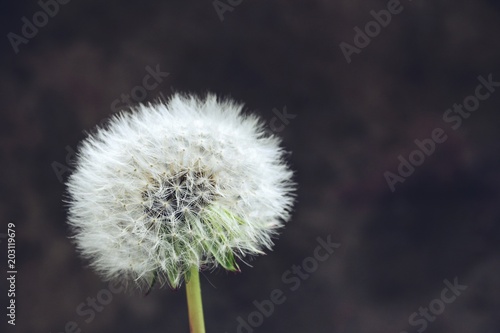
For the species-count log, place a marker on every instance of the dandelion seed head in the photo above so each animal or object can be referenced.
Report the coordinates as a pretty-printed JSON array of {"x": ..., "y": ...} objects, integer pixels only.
[{"x": 165, "y": 187}]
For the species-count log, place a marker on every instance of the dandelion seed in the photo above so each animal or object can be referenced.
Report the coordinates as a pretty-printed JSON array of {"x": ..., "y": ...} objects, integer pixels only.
[{"x": 163, "y": 188}]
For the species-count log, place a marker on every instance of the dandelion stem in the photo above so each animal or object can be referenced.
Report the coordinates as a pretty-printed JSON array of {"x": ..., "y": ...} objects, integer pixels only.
[{"x": 195, "y": 307}]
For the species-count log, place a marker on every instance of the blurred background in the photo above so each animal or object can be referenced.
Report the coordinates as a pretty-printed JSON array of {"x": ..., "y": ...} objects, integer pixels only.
[{"x": 348, "y": 104}]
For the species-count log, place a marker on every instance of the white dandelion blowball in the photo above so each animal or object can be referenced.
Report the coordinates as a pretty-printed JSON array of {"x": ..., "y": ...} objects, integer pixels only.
[{"x": 167, "y": 187}]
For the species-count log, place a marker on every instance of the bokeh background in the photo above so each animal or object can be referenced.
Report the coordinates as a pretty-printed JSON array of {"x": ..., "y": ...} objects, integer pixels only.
[{"x": 351, "y": 122}]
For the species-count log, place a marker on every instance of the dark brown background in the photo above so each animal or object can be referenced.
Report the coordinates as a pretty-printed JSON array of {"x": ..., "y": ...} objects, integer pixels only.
[{"x": 352, "y": 121}]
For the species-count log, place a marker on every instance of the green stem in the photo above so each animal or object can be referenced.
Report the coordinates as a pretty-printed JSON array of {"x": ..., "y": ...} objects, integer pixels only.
[{"x": 195, "y": 307}]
